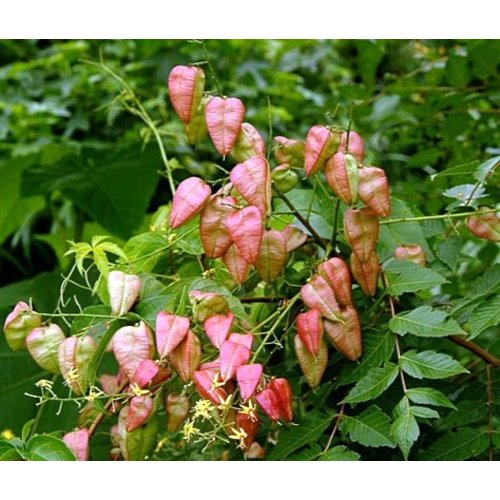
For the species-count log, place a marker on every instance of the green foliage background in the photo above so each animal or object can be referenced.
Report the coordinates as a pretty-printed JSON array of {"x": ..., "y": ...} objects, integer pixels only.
[{"x": 74, "y": 163}]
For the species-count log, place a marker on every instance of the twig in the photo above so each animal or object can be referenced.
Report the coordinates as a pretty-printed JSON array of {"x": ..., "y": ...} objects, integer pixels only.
[
  {"x": 485, "y": 355},
  {"x": 255, "y": 300},
  {"x": 490, "y": 402},
  {"x": 335, "y": 428}
]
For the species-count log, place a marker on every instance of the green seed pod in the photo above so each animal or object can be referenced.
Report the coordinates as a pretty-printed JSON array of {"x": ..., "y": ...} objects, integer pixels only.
[
  {"x": 284, "y": 178},
  {"x": 43, "y": 343},
  {"x": 19, "y": 324}
]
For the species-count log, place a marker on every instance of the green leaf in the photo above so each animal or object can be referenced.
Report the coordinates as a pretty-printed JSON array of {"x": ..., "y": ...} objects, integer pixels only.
[
  {"x": 45, "y": 447},
  {"x": 430, "y": 364},
  {"x": 25, "y": 433},
  {"x": 463, "y": 444},
  {"x": 405, "y": 430},
  {"x": 425, "y": 322},
  {"x": 377, "y": 349},
  {"x": 486, "y": 168},
  {"x": 429, "y": 396},
  {"x": 423, "y": 412},
  {"x": 144, "y": 251},
  {"x": 370, "y": 428},
  {"x": 467, "y": 412},
  {"x": 340, "y": 453},
  {"x": 448, "y": 251},
  {"x": 305, "y": 454},
  {"x": 462, "y": 170},
  {"x": 404, "y": 276},
  {"x": 373, "y": 384},
  {"x": 484, "y": 316},
  {"x": 308, "y": 431}
]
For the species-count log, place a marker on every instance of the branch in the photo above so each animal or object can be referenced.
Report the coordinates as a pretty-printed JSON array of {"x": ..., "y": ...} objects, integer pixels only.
[
  {"x": 335, "y": 427},
  {"x": 485, "y": 355},
  {"x": 254, "y": 300}
]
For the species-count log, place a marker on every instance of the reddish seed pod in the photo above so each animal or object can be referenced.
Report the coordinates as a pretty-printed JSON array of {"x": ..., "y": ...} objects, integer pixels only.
[
  {"x": 317, "y": 294},
  {"x": 186, "y": 357},
  {"x": 295, "y": 238},
  {"x": 244, "y": 339},
  {"x": 313, "y": 367},
  {"x": 206, "y": 384},
  {"x": 140, "y": 410},
  {"x": 177, "y": 408},
  {"x": 43, "y": 343},
  {"x": 170, "y": 332},
  {"x": 248, "y": 144},
  {"x": 19, "y": 324},
  {"x": 236, "y": 264},
  {"x": 366, "y": 273},
  {"x": 273, "y": 255},
  {"x": 485, "y": 225},
  {"x": 78, "y": 442},
  {"x": 356, "y": 145},
  {"x": 189, "y": 200},
  {"x": 246, "y": 230},
  {"x": 374, "y": 190},
  {"x": 217, "y": 328},
  {"x": 413, "y": 253},
  {"x": 289, "y": 151},
  {"x": 362, "y": 231},
  {"x": 249, "y": 425},
  {"x": 321, "y": 143},
  {"x": 123, "y": 291},
  {"x": 248, "y": 377},
  {"x": 224, "y": 117},
  {"x": 341, "y": 172},
  {"x": 186, "y": 85},
  {"x": 346, "y": 335},
  {"x": 232, "y": 356},
  {"x": 151, "y": 373},
  {"x": 283, "y": 391},
  {"x": 268, "y": 401},
  {"x": 74, "y": 355},
  {"x": 310, "y": 330},
  {"x": 336, "y": 272}
]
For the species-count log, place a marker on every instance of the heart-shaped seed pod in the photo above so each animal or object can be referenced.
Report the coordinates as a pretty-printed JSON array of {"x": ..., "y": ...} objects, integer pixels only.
[
  {"x": 341, "y": 172},
  {"x": 43, "y": 344},
  {"x": 248, "y": 144},
  {"x": 273, "y": 255},
  {"x": 356, "y": 146},
  {"x": 207, "y": 304},
  {"x": 310, "y": 330},
  {"x": 224, "y": 117},
  {"x": 186, "y": 357},
  {"x": 295, "y": 238},
  {"x": 313, "y": 367},
  {"x": 136, "y": 445},
  {"x": 206, "y": 382},
  {"x": 366, "y": 273},
  {"x": 317, "y": 294},
  {"x": 374, "y": 190},
  {"x": 250, "y": 426},
  {"x": 346, "y": 335},
  {"x": 362, "y": 231},
  {"x": 217, "y": 328},
  {"x": 177, "y": 407},
  {"x": 283, "y": 391},
  {"x": 19, "y": 324},
  {"x": 131, "y": 346},
  {"x": 170, "y": 331},
  {"x": 186, "y": 85},
  {"x": 268, "y": 401},
  {"x": 78, "y": 442},
  {"x": 213, "y": 230},
  {"x": 189, "y": 199},
  {"x": 74, "y": 355},
  {"x": 321, "y": 143},
  {"x": 232, "y": 356},
  {"x": 196, "y": 129},
  {"x": 140, "y": 409},
  {"x": 336, "y": 272},
  {"x": 244, "y": 339},
  {"x": 413, "y": 253},
  {"x": 289, "y": 151},
  {"x": 246, "y": 230},
  {"x": 123, "y": 291},
  {"x": 485, "y": 225},
  {"x": 284, "y": 179},
  {"x": 145, "y": 373},
  {"x": 248, "y": 377},
  {"x": 236, "y": 265},
  {"x": 252, "y": 179}
]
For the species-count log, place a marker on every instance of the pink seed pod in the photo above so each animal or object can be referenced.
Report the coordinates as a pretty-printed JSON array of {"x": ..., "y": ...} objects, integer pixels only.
[
  {"x": 248, "y": 377},
  {"x": 342, "y": 174},
  {"x": 131, "y": 346},
  {"x": 336, "y": 272},
  {"x": 224, "y": 117},
  {"x": 321, "y": 143},
  {"x": 18, "y": 325},
  {"x": 356, "y": 145},
  {"x": 246, "y": 230},
  {"x": 273, "y": 255},
  {"x": 206, "y": 384},
  {"x": 313, "y": 367},
  {"x": 109, "y": 383},
  {"x": 78, "y": 442},
  {"x": 310, "y": 330},
  {"x": 289, "y": 151},
  {"x": 294, "y": 237},
  {"x": 374, "y": 190},
  {"x": 346, "y": 335},
  {"x": 186, "y": 85},
  {"x": 485, "y": 225},
  {"x": 252, "y": 179},
  {"x": 177, "y": 407},
  {"x": 170, "y": 331},
  {"x": 43, "y": 343},
  {"x": 145, "y": 373},
  {"x": 366, "y": 273},
  {"x": 269, "y": 402},
  {"x": 123, "y": 291},
  {"x": 238, "y": 267},
  {"x": 362, "y": 231},
  {"x": 74, "y": 355},
  {"x": 140, "y": 409},
  {"x": 185, "y": 358},
  {"x": 213, "y": 230},
  {"x": 232, "y": 356},
  {"x": 413, "y": 253},
  {"x": 317, "y": 294},
  {"x": 189, "y": 199},
  {"x": 217, "y": 328},
  {"x": 245, "y": 339},
  {"x": 248, "y": 144},
  {"x": 283, "y": 391}
]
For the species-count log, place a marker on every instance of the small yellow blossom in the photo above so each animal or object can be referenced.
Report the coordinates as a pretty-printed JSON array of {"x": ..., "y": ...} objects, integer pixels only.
[
  {"x": 73, "y": 375},
  {"x": 44, "y": 384},
  {"x": 7, "y": 434},
  {"x": 137, "y": 391},
  {"x": 217, "y": 383},
  {"x": 95, "y": 393},
  {"x": 203, "y": 409},
  {"x": 189, "y": 430},
  {"x": 225, "y": 405},
  {"x": 250, "y": 409},
  {"x": 238, "y": 435}
]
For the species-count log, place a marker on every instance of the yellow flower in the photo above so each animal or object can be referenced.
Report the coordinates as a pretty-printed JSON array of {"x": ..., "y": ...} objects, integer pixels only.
[
  {"x": 189, "y": 430},
  {"x": 238, "y": 435},
  {"x": 138, "y": 391},
  {"x": 225, "y": 405},
  {"x": 7, "y": 434},
  {"x": 44, "y": 384},
  {"x": 250, "y": 410},
  {"x": 203, "y": 409}
]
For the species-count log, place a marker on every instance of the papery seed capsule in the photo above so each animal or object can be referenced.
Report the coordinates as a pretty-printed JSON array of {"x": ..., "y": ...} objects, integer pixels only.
[
  {"x": 170, "y": 331},
  {"x": 313, "y": 367},
  {"x": 249, "y": 425},
  {"x": 284, "y": 178},
  {"x": 321, "y": 143},
  {"x": 186, "y": 85},
  {"x": 189, "y": 200},
  {"x": 346, "y": 334},
  {"x": 336, "y": 272},
  {"x": 177, "y": 407},
  {"x": 145, "y": 373},
  {"x": 207, "y": 384},
  {"x": 74, "y": 355},
  {"x": 289, "y": 151},
  {"x": 310, "y": 330},
  {"x": 217, "y": 328},
  {"x": 273, "y": 255},
  {"x": 78, "y": 442},
  {"x": 268, "y": 401},
  {"x": 186, "y": 357},
  {"x": 355, "y": 147},
  {"x": 255, "y": 452},
  {"x": 136, "y": 445},
  {"x": 283, "y": 391},
  {"x": 248, "y": 377},
  {"x": 244, "y": 339},
  {"x": 123, "y": 291},
  {"x": 238, "y": 267},
  {"x": 43, "y": 344},
  {"x": 246, "y": 230},
  {"x": 362, "y": 231},
  {"x": 207, "y": 304},
  {"x": 374, "y": 190},
  {"x": 19, "y": 324},
  {"x": 366, "y": 273},
  {"x": 196, "y": 129},
  {"x": 140, "y": 409},
  {"x": 341, "y": 172},
  {"x": 485, "y": 225},
  {"x": 248, "y": 144},
  {"x": 232, "y": 356},
  {"x": 224, "y": 117},
  {"x": 317, "y": 294},
  {"x": 413, "y": 253},
  {"x": 295, "y": 238}
]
